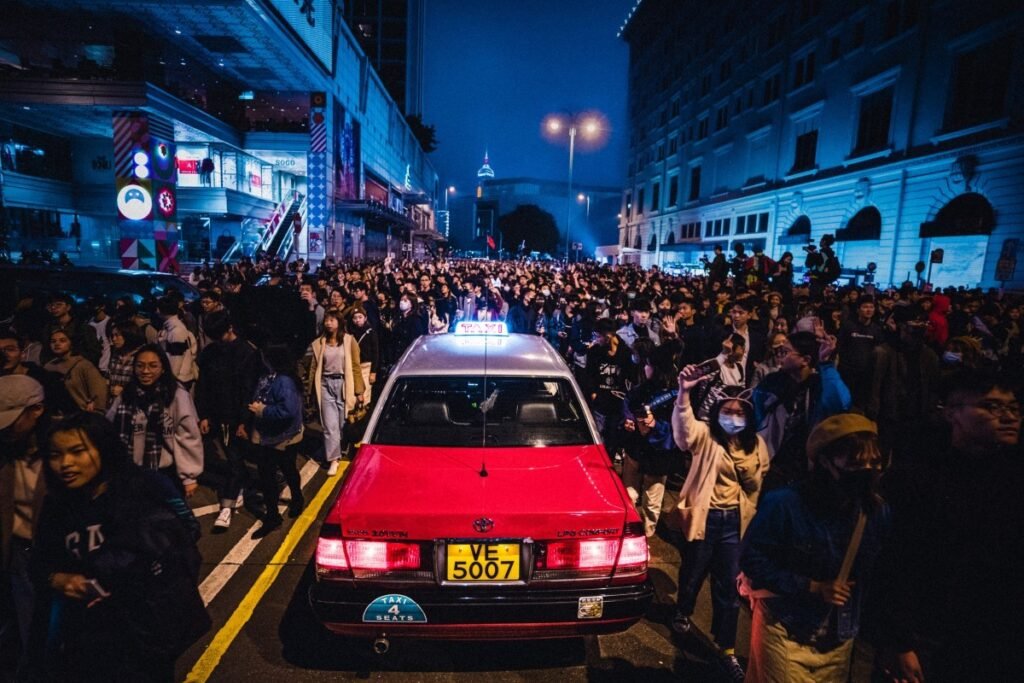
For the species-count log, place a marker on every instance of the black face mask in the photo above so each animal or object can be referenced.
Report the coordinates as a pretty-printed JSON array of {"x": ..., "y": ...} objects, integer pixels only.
[{"x": 860, "y": 485}]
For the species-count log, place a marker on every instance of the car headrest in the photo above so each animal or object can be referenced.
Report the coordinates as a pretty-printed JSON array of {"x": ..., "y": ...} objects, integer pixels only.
[
  {"x": 538, "y": 412},
  {"x": 430, "y": 412}
]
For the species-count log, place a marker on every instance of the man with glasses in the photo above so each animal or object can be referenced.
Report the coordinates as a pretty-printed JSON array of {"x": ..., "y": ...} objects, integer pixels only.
[
  {"x": 949, "y": 592},
  {"x": 789, "y": 402}
]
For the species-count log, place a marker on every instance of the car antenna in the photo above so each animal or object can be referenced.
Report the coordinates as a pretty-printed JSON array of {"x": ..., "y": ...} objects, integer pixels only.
[{"x": 485, "y": 406}]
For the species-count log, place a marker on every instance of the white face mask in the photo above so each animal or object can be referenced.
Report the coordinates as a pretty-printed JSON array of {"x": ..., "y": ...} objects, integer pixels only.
[
  {"x": 404, "y": 305},
  {"x": 546, "y": 292},
  {"x": 732, "y": 425}
]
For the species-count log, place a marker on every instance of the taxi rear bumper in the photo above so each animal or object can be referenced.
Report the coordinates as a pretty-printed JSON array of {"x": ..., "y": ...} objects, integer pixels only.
[{"x": 491, "y": 614}]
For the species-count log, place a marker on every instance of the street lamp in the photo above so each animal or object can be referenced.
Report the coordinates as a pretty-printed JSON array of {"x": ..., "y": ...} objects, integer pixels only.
[
  {"x": 447, "y": 216},
  {"x": 590, "y": 125}
]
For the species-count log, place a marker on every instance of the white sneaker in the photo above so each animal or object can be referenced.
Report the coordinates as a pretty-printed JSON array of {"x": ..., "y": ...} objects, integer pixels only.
[
  {"x": 223, "y": 519},
  {"x": 332, "y": 469},
  {"x": 240, "y": 501}
]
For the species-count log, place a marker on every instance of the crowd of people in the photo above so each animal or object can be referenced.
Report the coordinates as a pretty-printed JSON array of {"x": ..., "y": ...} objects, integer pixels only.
[{"x": 845, "y": 457}]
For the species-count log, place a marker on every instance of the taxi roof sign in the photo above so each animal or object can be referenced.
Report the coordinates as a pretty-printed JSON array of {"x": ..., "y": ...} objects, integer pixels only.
[{"x": 476, "y": 328}]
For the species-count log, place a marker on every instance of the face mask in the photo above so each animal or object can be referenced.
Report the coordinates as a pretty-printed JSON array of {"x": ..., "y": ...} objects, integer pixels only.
[
  {"x": 630, "y": 295},
  {"x": 546, "y": 292},
  {"x": 732, "y": 425},
  {"x": 404, "y": 305},
  {"x": 859, "y": 484},
  {"x": 952, "y": 358}
]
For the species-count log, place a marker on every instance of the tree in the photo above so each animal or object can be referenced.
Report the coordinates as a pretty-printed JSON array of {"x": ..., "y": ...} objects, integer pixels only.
[
  {"x": 531, "y": 223},
  {"x": 425, "y": 135}
]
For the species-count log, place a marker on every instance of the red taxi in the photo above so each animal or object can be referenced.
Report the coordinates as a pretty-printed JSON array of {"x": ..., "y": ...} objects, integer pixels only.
[{"x": 481, "y": 504}]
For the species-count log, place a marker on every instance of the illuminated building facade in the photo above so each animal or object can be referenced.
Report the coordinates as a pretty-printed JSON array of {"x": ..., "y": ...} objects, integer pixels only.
[
  {"x": 895, "y": 125},
  {"x": 149, "y": 133}
]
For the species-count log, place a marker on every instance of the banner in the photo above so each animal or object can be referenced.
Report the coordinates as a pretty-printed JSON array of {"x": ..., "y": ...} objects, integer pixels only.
[
  {"x": 346, "y": 154},
  {"x": 311, "y": 241}
]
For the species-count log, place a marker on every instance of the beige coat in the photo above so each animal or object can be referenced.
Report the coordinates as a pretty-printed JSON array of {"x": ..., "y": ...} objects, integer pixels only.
[
  {"x": 695, "y": 496},
  {"x": 83, "y": 381},
  {"x": 353, "y": 377}
]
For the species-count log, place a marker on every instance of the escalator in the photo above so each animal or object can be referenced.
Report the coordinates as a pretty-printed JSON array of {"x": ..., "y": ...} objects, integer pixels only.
[
  {"x": 286, "y": 242},
  {"x": 275, "y": 234}
]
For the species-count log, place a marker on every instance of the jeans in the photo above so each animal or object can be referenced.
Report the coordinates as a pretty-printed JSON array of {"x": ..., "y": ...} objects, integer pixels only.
[
  {"x": 719, "y": 554},
  {"x": 647, "y": 491},
  {"x": 222, "y": 440},
  {"x": 332, "y": 415},
  {"x": 271, "y": 460}
]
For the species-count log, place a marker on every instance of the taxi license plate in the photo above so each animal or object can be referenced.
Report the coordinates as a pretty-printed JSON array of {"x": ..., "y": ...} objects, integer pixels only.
[{"x": 483, "y": 562}]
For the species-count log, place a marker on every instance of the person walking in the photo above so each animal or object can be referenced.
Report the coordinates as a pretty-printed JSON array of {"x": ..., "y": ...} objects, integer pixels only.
[
  {"x": 116, "y": 547},
  {"x": 82, "y": 381},
  {"x": 716, "y": 504},
  {"x": 276, "y": 428},
  {"x": 335, "y": 383},
  {"x": 157, "y": 421},
  {"x": 369, "y": 350},
  {"x": 808, "y": 556}
]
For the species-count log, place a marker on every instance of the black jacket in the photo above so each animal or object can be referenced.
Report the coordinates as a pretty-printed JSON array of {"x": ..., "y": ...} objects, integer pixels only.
[{"x": 228, "y": 373}]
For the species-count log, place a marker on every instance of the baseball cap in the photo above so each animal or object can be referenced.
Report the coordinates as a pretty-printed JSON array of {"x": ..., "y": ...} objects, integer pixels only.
[{"x": 17, "y": 392}]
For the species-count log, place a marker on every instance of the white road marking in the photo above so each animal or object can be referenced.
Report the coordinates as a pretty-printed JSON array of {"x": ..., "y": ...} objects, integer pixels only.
[{"x": 236, "y": 557}]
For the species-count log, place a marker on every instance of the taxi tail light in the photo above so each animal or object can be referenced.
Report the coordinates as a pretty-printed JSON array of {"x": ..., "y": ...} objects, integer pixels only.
[
  {"x": 631, "y": 566},
  {"x": 589, "y": 554},
  {"x": 330, "y": 556},
  {"x": 383, "y": 555}
]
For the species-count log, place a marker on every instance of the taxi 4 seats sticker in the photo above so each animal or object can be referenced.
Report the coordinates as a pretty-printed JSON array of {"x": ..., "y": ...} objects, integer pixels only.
[{"x": 394, "y": 609}]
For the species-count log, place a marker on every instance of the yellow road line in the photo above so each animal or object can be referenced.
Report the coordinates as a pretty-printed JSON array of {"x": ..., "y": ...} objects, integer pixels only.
[{"x": 218, "y": 647}]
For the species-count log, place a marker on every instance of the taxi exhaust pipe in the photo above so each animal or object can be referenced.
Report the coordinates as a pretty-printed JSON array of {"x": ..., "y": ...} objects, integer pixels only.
[{"x": 381, "y": 645}]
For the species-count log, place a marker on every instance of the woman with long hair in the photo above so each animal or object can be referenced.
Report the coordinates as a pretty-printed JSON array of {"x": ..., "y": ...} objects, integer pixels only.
[
  {"x": 157, "y": 421},
  {"x": 369, "y": 349},
  {"x": 717, "y": 502},
  {"x": 82, "y": 381},
  {"x": 277, "y": 430},
  {"x": 334, "y": 382},
  {"x": 117, "y": 547}
]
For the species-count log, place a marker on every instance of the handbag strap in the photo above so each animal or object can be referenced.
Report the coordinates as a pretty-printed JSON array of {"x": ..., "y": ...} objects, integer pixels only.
[{"x": 853, "y": 547}]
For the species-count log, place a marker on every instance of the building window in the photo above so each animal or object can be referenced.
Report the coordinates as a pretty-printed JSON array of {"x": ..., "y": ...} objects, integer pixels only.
[
  {"x": 775, "y": 33},
  {"x": 694, "y": 183},
  {"x": 809, "y": 9},
  {"x": 703, "y": 128},
  {"x": 675, "y": 108},
  {"x": 673, "y": 191},
  {"x": 873, "y": 127},
  {"x": 705, "y": 84},
  {"x": 673, "y": 146},
  {"x": 663, "y": 118},
  {"x": 750, "y": 98},
  {"x": 725, "y": 226},
  {"x": 980, "y": 82},
  {"x": 741, "y": 224},
  {"x": 661, "y": 152},
  {"x": 725, "y": 71},
  {"x": 900, "y": 16},
  {"x": 865, "y": 225},
  {"x": 708, "y": 225},
  {"x": 803, "y": 71},
  {"x": 640, "y": 202},
  {"x": 722, "y": 117},
  {"x": 772, "y": 86},
  {"x": 762, "y": 223},
  {"x": 806, "y": 150},
  {"x": 656, "y": 197},
  {"x": 857, "y": 35},
  {"x": 835, "y": 48}
]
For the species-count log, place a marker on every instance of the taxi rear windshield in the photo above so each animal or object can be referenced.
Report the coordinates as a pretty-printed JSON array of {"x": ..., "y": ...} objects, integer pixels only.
[{"x": 469, "y": 411}]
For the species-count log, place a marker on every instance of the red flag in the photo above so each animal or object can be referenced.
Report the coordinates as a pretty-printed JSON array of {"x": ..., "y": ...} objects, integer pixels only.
[{"x": 490, "y": 242}]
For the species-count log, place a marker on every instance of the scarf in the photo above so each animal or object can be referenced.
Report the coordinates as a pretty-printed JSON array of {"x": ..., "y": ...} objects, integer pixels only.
[{"x": 138, "y": 399}]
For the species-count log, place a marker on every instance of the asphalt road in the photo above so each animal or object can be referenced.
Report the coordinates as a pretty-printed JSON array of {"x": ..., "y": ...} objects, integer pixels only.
[{"x": 264, "y": 630}]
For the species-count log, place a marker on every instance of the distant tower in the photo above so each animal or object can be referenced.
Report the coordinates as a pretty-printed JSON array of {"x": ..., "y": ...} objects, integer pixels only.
[{"x": 483, "y": 174}]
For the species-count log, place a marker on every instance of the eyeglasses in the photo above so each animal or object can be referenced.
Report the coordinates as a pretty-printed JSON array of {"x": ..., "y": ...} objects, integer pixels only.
[
  {"x": 781, "y": 350},
  {"x": 994, "y": 408}
]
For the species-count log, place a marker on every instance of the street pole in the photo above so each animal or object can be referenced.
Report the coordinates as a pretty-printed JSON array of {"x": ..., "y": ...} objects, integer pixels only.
[
  {"x": 447, "y": 216},
  {"x": 569, "y": 197}
]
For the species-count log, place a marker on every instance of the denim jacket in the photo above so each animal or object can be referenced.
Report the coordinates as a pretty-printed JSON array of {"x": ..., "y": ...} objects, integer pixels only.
[
  {"x": 282, "y": 415},
  {"x": 788, "y": 545}
]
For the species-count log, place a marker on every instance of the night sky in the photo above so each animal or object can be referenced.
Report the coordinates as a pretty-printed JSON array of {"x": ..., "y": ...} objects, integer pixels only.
[{"x": 494, "y": 69}]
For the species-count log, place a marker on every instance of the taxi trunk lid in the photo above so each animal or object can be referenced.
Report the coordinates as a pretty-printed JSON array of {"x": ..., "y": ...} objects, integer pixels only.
[{"x": 421, "y": 493}]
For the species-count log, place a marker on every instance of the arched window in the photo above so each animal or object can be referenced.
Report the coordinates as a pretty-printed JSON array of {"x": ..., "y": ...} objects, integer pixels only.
[
  {"x": 866, "y": 224},
  {"x": 799, "y": 232},
  {"x": 636, "y": 244},
  {"x": 967, "y": 214},
  {"x": 671, "y": 238},
  {"x": 653, "y": 244}
]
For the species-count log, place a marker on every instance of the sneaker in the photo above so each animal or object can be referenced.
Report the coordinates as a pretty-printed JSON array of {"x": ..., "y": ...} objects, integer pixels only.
[
  {"x": 296, "y": 506},
  {"x": 733, "y": 668},
  {"x": 240, "y": 501},
  {"x": 269, "y": 525},
  {"x": 223, "y": 521},
  {"x": 332, "y": 469},
  {"x": 682, "y": 625}
]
